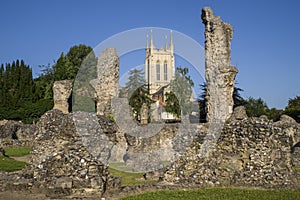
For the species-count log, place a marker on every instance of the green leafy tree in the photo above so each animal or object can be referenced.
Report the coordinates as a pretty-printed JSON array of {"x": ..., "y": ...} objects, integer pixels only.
[
  {"x": 137, "y": 92},
  {"x": 137, "y": 99},
  {"x": 68, "y": 65},
  {"x": 293, "y": 108},
  {"x": 255, "y": 107},
  {"x": 172, "y": 104},
  {"x": 274, "y": 114},
  {"x": 181, "y": 86},
  {"x": 135, "y": 81}
]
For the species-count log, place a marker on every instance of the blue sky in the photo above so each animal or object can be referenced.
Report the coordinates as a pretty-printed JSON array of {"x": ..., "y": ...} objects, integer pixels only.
[{"x": 265, "y": 45}]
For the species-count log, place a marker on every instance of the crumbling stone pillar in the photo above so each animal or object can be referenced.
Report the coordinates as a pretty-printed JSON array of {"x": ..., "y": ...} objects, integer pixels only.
[
  {"x": 219, "y": 75},
  {"x": 107, "y": 83},
  {"x": 61, "y": 94}
]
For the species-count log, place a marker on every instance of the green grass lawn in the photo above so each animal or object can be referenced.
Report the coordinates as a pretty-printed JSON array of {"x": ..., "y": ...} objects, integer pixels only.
[
  {"x": 9, "y": 165},
  {"x": 128, "y": 178},
  {"x": 219, "y": 194},
  {"x": 17, "y": 152}
]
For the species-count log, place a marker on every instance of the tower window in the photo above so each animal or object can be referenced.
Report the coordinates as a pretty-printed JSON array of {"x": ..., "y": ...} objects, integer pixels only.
[
  {"x": 165, "y": 71},
  {"x": 157, "y": 71}
]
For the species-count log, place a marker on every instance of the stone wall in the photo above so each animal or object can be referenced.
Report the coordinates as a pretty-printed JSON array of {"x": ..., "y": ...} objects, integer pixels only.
[
  {"x": 219, "y": 74},
  {"x": 14, "y": 133},
  {"x": 61, "y": 165},
  {"x": 149, "y": 153},
  {"x": 107, "y": 83},
  {"x": 61, "y": 94},
  {"x": 250, "y": 152}
]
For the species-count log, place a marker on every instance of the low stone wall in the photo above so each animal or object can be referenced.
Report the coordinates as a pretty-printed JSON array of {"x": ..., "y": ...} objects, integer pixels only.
[
  {"x": 251, "y": 152},
  {"x": 61, "y": 165},
  {"x": 16, "y": 134}
]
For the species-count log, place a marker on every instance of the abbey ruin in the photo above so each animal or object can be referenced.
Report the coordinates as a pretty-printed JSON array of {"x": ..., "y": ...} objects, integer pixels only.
[{"x": 71, "y": 151}]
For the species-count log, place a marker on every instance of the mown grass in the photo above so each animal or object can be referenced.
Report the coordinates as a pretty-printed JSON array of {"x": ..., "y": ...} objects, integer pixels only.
[
  {"x": 9, "y": 165},
  {"x": 17, "y": 151},
  {"x": 219, "y": 194},
  {"x": 128, "y": 178}
]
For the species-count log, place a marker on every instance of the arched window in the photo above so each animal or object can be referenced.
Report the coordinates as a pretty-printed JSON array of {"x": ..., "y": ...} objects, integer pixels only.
[
  {"x": 157, "y": 71},
  {"x": 165, "y": 71}
]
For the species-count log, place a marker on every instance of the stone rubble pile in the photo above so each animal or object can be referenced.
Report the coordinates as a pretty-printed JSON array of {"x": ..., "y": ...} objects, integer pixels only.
[
  {"x": 250, "y": 152},
  {"x": 61, "y": 165}
]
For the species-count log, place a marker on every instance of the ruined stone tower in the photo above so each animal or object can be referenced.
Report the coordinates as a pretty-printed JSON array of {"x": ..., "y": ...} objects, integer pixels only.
[
  {"x": 107, "y": 83},
  {"x": 219, "y": 74},
  {"x": 159, "y": 65}
]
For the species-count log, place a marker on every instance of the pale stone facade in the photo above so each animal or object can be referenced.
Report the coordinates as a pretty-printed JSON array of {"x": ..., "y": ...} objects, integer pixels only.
[{"x": 159, "y": 65}]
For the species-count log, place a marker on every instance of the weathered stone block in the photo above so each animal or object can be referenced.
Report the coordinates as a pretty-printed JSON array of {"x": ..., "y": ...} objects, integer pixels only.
[{"x": 61, "y": 94}]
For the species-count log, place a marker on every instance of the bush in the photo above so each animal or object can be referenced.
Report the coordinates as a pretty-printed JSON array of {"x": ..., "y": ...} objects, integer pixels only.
[{"x": 294, "y": 113}]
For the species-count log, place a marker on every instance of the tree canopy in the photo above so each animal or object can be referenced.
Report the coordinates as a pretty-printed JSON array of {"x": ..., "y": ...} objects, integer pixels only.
[
  {"x": 24, "y": 98},
  {"x": 181, "y": 87},
  {"x": 293, "y": 108},
  {"x": 137, "y": 92}
]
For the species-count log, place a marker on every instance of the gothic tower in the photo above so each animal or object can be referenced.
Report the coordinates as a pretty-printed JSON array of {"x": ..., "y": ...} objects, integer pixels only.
[{"x": 159, "y": 65}]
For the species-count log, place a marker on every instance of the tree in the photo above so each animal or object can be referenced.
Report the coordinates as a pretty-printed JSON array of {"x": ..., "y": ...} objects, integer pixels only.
[
  {"x": 137, "y": 92},
  {"x": 202, "y": 103},
  {"x": 24, "y": 98},
  {"x": 255, "y": 107},
  {"x": 293, "y": 108},
  {"x": 68, "y": 65},
  {"x": 137, "y": 99},
  {"x": 181, "y": 86},
  {"x": 274, "y": 114},
  {"x": 237, "y": 98},
  {"x": 135, "y": 81},
  {"x": 172, "y": 104},
  {"x": 294, "y": 103}
]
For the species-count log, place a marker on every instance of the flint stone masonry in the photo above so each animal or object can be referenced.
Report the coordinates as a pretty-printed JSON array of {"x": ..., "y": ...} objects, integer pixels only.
[
  {"x": 14, "y": 133},
  {"x": 219, "y": 75},
  {"x": 61, "y": 94},
  {"x": 107, "y": 83},
  {"x": 253, "y": 152},
  {"x": 61, "y": 164},
  {"x": 239, "y": 113}
]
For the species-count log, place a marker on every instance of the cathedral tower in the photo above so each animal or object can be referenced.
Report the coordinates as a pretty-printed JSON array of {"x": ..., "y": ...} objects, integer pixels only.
[{"x": 159, "y": 65}]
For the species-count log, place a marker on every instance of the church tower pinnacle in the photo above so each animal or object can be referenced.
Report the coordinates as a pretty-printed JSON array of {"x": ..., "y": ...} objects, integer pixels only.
[
  {"x": 151, "y": 41},
  {"x": 147, "y": 46},
  {"x": 171, "y": 42}
]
